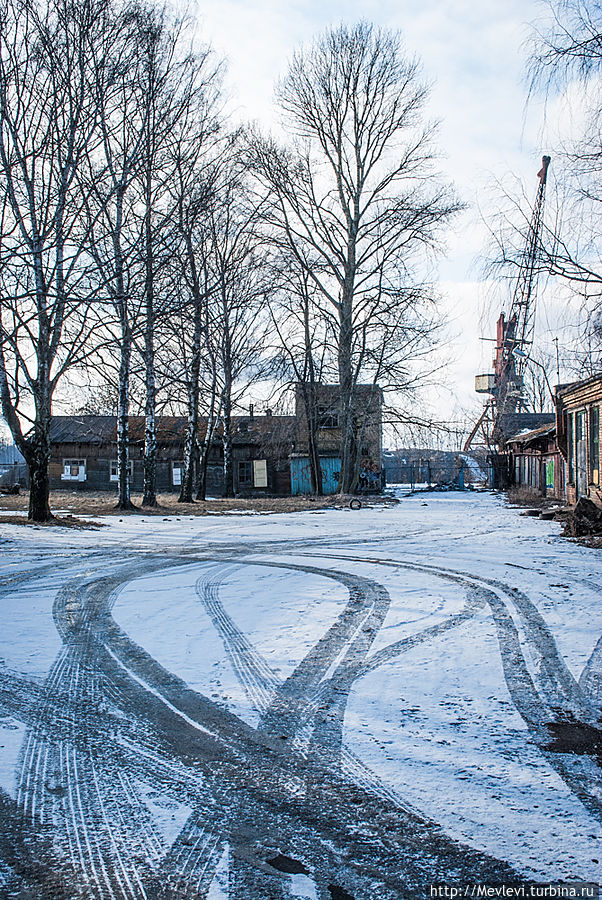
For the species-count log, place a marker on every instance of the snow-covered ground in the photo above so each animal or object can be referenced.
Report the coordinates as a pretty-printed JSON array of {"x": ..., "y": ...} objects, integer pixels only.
[{"x": 422, "y": 653}]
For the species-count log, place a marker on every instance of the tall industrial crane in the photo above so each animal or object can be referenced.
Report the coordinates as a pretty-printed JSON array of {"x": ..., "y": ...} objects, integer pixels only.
[{"x": 506, "y": 384}]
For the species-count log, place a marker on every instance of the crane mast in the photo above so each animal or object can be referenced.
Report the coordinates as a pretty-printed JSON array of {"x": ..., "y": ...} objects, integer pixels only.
[{"x": 515, "y": 332}]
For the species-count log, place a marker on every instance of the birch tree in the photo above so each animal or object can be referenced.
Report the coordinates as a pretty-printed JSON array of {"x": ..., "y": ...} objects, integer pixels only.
[
  {"x": 48, "y": 126},
  {"x": 182, "y": 90},
  {"x": 192, "y": 159},
  {"x": 113, "y": 207},
  {"x": 237, "y": 325}
]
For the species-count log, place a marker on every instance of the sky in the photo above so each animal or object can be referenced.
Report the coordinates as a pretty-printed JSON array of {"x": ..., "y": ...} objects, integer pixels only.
[{"x": 474, "y": 55}]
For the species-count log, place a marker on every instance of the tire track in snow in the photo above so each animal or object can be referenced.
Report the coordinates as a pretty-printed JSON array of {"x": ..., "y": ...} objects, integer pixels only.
[
  {"x": 260, "y": 684},
  {"x": 253, "y": 672},
  {"x": 558, "y": 698},
  {"x": 193, "y": 707},
  {"x": 28, "y": 862},
  {"x": 104, "y": 831},
  {"x": 312, "y": 807}
]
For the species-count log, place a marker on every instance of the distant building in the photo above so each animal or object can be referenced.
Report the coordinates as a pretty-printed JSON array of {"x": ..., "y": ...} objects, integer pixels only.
[
  {"x": 561, "y": 459},
  {"x": 368, "y": 406},
  {"x": 269, "y": 451},
  {"x": 429, "y": 466},
  {"x": 13, "y": 469}
]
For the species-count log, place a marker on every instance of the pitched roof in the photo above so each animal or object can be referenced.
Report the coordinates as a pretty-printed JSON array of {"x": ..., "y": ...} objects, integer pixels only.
[
  {"x": 575, "y": 385},
  {"x": 83, "y": 429},
  {"x": 97, "y": 430},
  {"x": 526, "y": 436}
]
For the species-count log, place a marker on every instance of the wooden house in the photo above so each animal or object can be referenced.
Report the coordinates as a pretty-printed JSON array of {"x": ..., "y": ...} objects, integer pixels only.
[
  {"x": 84, "y": 453},
  {"x": 535, "y": 461},
  {"x": 578, "y": 434}
]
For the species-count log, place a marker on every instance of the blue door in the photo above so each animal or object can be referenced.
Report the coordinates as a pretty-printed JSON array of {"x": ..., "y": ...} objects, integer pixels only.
[{"x": 301, "y": 476}]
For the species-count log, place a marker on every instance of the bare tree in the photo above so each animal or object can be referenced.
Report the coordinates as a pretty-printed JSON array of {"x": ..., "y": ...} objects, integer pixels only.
[
  {"x": 113, "y": 207},
  {"x": 152, "y": 92},
  {"x": 180, "y": 89},
  {"x": 193, "y": 160},
  {"x": 48, "y": 126},
  {"x": 303, "y": 344},
  {"x": 360, "y": 192},
  {"x": 237, "y": 325},
  {"x": 566, "y": 49}
]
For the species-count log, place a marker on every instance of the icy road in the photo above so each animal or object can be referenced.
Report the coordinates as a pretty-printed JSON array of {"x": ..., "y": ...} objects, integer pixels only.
[{"x": 341, "y": 704}]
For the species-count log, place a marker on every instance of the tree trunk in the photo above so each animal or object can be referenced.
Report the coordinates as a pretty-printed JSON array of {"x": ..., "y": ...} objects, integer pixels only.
[
  {"x": 150, "y": 442},
  {"x": 150, "y": 433},
  {"x": 346, "y": 395},
  {"x": 311, "y": 407},
  {"x": 192, "y": 439},
  {"x": 201, "y": 491},
  {"x": 201, "y": 484},
  {"x": 315, "y": 468},
  {"x": 123, "y": 427},
  {"x": 38, "y": 458},
  {"x": 190, "y": 455},
  {"x": 313, "y": 452},
  {"x": 228, "y": 468}
]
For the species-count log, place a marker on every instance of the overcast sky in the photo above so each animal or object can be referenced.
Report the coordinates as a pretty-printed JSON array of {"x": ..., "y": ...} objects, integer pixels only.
[{"x": 474, "y": 55}]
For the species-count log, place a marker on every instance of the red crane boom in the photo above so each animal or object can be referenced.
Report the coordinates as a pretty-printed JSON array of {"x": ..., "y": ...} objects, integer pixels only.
[{"x": 506, "y": 384}]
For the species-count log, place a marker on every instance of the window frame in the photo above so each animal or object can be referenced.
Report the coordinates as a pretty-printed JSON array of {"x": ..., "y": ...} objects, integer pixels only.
[
  {"x": 71, "y": 462},
  {"x": 177, "y": 465},
  {"x": 248, "y": 479},
  {"x": 114, "y": 479},
  {"x": 327, "y": 417},
  {"x": 594, "y": 444}
]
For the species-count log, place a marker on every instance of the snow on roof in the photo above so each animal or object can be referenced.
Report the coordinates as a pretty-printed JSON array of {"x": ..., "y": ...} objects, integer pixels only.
[{"x": 532, "y": 434}]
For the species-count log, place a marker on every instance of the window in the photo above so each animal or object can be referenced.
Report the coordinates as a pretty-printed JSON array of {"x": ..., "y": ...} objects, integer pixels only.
[
  {"x": 113, "y": 476},
  {"x": 245, "y": 473},
  {"x": 327, "y": 418},
  {"x": 594, "y": 442},
  {"x": 570, "y": 448},
  {"x": 177, "y": 471},
  {"x": 74, "y": 470}
]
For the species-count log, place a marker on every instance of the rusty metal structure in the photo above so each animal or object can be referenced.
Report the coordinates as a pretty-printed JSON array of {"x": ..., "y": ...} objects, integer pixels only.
[{"x": 505, "y": 384}]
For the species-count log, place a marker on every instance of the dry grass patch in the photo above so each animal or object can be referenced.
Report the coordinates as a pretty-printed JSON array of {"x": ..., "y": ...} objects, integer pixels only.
[
  {"x": 525, "y": 497},
  {"x": 70, "y": 504}
]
